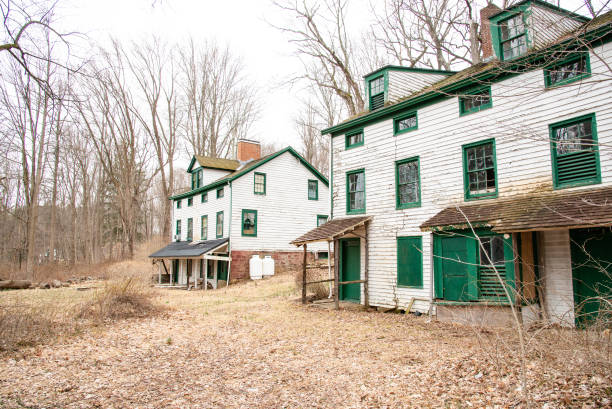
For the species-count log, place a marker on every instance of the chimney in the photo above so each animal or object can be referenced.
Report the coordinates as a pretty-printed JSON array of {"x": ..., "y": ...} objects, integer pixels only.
[
  {"x": 248, "y": 150},
  {"x": 485, "y": 30}
]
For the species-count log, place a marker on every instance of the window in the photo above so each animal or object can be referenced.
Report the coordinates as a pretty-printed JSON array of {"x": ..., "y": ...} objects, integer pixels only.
[
  {"x": 204, "y": 228},
  {"x": 204, "y": 197},
  {"x": 407, "y": 183},
  {"x": 354, "y": 139},
  {"x": 178, "y": 229},
  {"x": 405, "y": 123},
  {"x": 178, "y": 204},
  {"x": 190, "y": 202},
  {"x": 355, "y": 191},
  {"x": 410, "y": 261},
  {"x": 491, "y": 250},
  {"x": 259, "y": 183},
  {"x": 575, "y": 157},
  {"x": 219, "y": 225},
  {"x": 196, "y": 179},
  {"x": 475, "y": 100},
  {"x": 313, "y": 189},
  {"x": 480, "y": 170},
  {"x": 565, "y": 72},
  {"x": 321, "y": 219},
  {"x": 193, "y": 180},
  {"x": 190, "y": 229},
  {"x": 249, "y": 223},
  {"x": 220, "y": 193},
  {"x": 513, "y": 37},
  {"x": 377, "y": 92},
  {"x": 322, "y": 255}
]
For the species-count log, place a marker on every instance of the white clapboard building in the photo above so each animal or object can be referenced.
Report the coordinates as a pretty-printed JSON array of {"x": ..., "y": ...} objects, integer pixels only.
[{"x": 515, "y": 151}]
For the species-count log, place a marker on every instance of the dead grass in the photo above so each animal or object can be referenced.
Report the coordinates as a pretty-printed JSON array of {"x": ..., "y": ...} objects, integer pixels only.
[{"x": 319, "y": 290}]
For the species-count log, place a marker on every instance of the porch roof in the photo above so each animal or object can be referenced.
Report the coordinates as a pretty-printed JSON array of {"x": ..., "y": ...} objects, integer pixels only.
[
  {"x": 332, "y": 230},
  {"x": 543, "y": 211},
  {"x": 188, "y": 249}
]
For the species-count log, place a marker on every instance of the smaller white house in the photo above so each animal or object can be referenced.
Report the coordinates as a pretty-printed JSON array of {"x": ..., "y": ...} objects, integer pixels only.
[{"x": 236, "y": 209}]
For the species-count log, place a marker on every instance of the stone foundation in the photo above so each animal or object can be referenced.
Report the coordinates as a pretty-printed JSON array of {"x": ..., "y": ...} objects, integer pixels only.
[{"x": 283, "y": 261}]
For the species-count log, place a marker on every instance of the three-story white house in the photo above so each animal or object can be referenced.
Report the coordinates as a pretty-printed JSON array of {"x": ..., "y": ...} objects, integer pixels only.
[
  {"x": 515, "y": 151},
  {"x": 239, "y": 208}
]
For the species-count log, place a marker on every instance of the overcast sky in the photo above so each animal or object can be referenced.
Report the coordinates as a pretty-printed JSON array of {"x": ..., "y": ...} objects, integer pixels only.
[{"x": 243, "y": 24}]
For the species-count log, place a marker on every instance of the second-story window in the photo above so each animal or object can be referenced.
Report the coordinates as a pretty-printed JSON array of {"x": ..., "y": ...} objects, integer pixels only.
[
  {"x": 570, "y": 70},
  {"x": 513, "y": 37},
  {"x": 475, "y": 100},
  {"x": 220, "y": 193},
  {"x": 408, "y": 190},
  {"x": 190, "y": 229},
  {"x": 479, "y": 166},
  {"x": 249, "y": 222},
  {"x": 377, "y": 92},
  {"x": 259, "y": 183},
  {"x": 178, "y": 204},
  {"x": 178, "y": 230},
  {"x": 219, "y": 227},
  {"x": 355, "y": 191},
  {"x": 190, "y": 202},
  {"x": 405, "y": 123},
  {"x": 204, "y": 197},
  {"x": 353, "y": 139},
  {"x": 313, "y": 189},
  {"x": 204, "y": 228}
]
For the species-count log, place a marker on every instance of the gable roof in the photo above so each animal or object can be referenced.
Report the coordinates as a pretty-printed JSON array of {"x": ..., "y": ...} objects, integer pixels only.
[
  {"x": 248, "y": 167},
  {"x": 543, "y": 4},
  {"x": 332, "y": 229},
  {"x": 213, "y": 163}
]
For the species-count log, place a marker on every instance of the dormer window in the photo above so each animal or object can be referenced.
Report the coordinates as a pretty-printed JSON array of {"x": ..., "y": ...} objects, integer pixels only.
[
  {"x": 377, "y": 92},
  {"x": 513, "y": 37}
]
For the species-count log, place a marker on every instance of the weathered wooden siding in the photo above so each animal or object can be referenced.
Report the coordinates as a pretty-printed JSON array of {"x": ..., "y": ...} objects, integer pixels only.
[
  {"x": 522, "y": 110},
  {"x": 210, "y": 175},
  {"x": 404, "y": 83},
  {"x": 199, "y": 209},
  {"x": 284, "y": 212},
  {"x": 546, "y": 26}
]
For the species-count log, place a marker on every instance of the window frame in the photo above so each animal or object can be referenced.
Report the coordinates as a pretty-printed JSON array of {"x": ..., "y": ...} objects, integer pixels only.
[
  {"x": 347, "y": 136},
  {"x": 348, "y": 200},
  {"x": 255, "y": 174},
  {"x": 399, "y": 118},
  {"x": 221, "y": 193},
  {"x": 420, "y": 252},
  {"x": 190, "y": 201},
  {"x": 217, "y": 235},
  {"x": 316, "y": 183},
  {"x": 203, "y": 231},
  {"x": 178, "y": 203},
  {"x": 322, "y": 216},
  {"x": 399, "y": 205},
  {"x": 568, "y": 60},
  {"x": 470, "y": 93},
  {"x": 204, "y": 197},
  {"x": 189, "y": 229},
  {"x": 383, "y": 92},
  {"x": 178, "y": 228},
  {"x": 553, "y": 152},
  {"x": 242, "y": 223},
  {"x": 466, "y": 180},
  {"x": 524, "y": 34}
]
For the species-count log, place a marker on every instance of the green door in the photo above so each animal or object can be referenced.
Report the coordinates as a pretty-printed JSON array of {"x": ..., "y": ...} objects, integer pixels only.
[
  {"x": 175, "y": 271},
  {"x": 455, "y": 276},
  {"x": 591, "y": 271},
  {"x": 221, "y": 270},
  {"x": 350, "y": 269}
]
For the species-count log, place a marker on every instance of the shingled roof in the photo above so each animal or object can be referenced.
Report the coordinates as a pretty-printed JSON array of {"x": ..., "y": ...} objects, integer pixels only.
[
  {"x": 182, "y": 249},
  {"x": 559, "y": 209},
  {"x": 217, "y": 163},
  {"x": 332, "y": 229}
]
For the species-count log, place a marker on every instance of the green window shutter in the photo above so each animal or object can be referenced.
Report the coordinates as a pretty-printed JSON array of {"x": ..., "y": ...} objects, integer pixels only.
[{"x": 410, "y": 261}]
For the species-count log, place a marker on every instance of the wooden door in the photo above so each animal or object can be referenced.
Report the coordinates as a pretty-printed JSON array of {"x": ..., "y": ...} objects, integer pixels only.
[
  {"x": 455, "y": 275},
  {"x": 350, "y": 269}
]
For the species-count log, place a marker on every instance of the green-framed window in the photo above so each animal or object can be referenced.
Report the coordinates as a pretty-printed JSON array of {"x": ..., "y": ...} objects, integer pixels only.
[
  {"x": 405, "y": 123},
  {"x": 475, "y": 100},
  {"x": 204, "y": 197},
  {"x": 219, "y": 226},
  {"x": 377, "y": 92},
  {"x": 249, "y": 222},
  {"x": 178, "y": 204},
  {"x": 220, "y": 193},
  {"x": 189, "y": 201},
  {"x": 355, "y": 191},
  {"x": 575, "y": 156},
  {"x": 353, "y": 139},
  {"x": 190, "y": 229},
  {"x": 259, "y": 183},
  {"x": 204, "y": 227},
  {"x": 321, "y": 219},
  {"x": 313, "y": 189},
  {"x": 512, "y": 37},
  {"x": 410, "y": 261},
  {"x": 178, "y": 229},
  {"x": 407, "y": 183},
  {"x": 571, "y": 69},
  {"x": 480, "y": 170}
]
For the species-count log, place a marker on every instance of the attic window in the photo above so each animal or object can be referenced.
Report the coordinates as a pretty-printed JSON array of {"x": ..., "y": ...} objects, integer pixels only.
[
  {"x": 513, "y": 38},
  {"x": 377, "y": 93},
  {"x": 405, "y": 123}
]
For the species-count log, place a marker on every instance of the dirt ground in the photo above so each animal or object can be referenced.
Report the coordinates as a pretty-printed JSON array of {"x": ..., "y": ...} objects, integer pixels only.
[{"x": 253, "y": 346}]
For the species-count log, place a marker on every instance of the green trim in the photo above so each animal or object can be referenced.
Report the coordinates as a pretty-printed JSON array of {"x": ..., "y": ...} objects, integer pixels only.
[
  {"x": 399, "y": 205},
  {"x": 178, "y": 204},
  {"x": 555, "y": 170},
  {"x": 178, "y": 228},
  {"x": 348, "y": 201},
  {"x": 347, "y": 145},
  {"x": 466, "y": 182},
  {"x": 204, "y": 197},
  {"x": 414, "y": 277},
  {"x": 203, "y": 231},
  {"x": 189, "y": 201},
  {"x": 220, "y": 193},
  {"x": 248, "y": 169},
  {"x": 385, "y": 92},
  {"x": 255, "y": 174},
  {"x": 217, "y": 235},
  {"x": 242, "y": 223},
  {"x": 316, "y": 184},
  {"x": 545, "y": 5},
  {"x": 473, "y": 92},
  {"x": 495, "y": 25},
  {"x": 585, "y": 54},
  {"x": 191, "y": 163},
  {"x": 407, "y": 69},
  {"x": 398, "y": 119},
  {"x": 190, "y": 229},
  {"x": 322, "y": 216}
]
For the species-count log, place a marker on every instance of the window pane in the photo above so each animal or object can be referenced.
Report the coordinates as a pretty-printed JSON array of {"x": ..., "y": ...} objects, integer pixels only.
[
  {"x": 492, "y": 251},
  {"x": 377, "y": 86},
  {"x": 248, "y": 222},
  {"x": 574, "y": 138},
  {"x": 514, "y": 47},
  {"x": 568, "y": 71},
  {"x": 475, "y": 100},
  {"x": 408, "y": 182},
  {"x": 312, "y": 189},
  {"x": 407, "y": 123},
  {"x": 512, "y": 27}
]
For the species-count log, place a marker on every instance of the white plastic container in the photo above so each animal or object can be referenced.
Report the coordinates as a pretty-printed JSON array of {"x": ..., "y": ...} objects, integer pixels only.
[
  {"x": 268, "y": 266},
  {"x": 255, "y": 268}
]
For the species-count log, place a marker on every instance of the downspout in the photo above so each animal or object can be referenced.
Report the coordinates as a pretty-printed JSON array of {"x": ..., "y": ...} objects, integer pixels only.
[
  {"x": 229, "y": 235},
  {"x": 331, "y": 178}
]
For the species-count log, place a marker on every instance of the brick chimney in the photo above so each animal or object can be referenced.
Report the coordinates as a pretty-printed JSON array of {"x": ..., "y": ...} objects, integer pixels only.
[
  {"x": 248, "y": 150},
  {"x": 485, "y": 30}
]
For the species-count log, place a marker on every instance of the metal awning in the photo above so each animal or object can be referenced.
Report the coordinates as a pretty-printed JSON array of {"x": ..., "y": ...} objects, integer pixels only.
[
  {"x": 189, "y": 249},
  {"x": 332, "y": 230}
]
